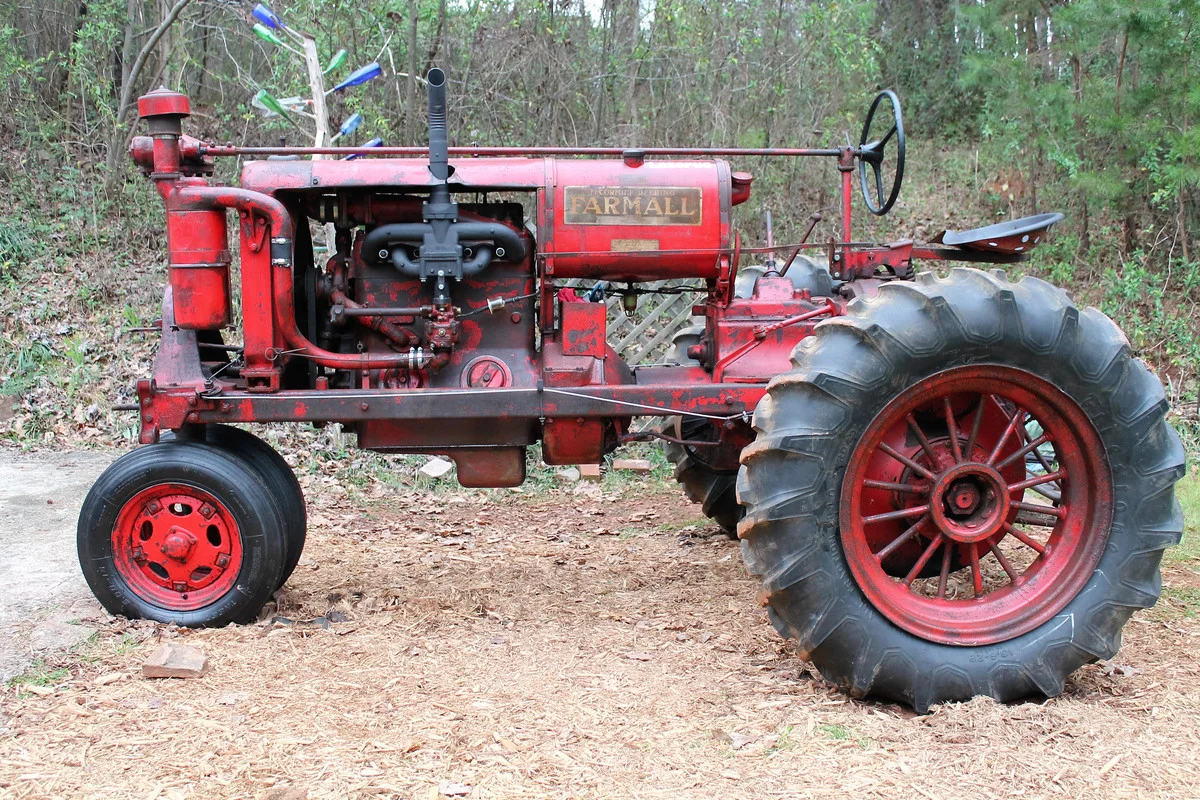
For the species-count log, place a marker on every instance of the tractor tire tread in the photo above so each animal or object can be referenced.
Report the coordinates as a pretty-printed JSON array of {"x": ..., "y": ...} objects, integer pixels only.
[
  {"x": 808, "y": 423},
  {"x": 714, "y": 490}
]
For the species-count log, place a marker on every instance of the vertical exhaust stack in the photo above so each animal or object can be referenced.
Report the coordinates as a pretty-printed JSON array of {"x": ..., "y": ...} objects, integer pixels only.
[
  {"x": 439, "y": 155},
  {"x": 441, "y": 253}
]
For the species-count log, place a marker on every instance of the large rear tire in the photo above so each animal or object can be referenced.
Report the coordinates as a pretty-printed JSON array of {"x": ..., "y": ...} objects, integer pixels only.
[{"x": 909, "y": 435}]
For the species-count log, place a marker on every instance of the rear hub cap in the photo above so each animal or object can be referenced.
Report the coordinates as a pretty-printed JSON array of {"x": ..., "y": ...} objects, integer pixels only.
[
  {"x": 177, "y": 547},
  {"x": 976, "y": 505},
  {"x": 969, "y": 503}
]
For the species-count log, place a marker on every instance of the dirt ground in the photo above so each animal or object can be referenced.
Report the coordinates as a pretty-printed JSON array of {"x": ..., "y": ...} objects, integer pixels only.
[{"x": 572, "y": 643}]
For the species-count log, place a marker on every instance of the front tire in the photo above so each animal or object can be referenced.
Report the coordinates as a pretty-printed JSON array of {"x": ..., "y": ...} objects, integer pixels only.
[
  {"x": 181, "y": 532},
  {"x": 279, "y": 476},
  {"x": 276, "y": 472},
  {"x": 887, "y": 495}
]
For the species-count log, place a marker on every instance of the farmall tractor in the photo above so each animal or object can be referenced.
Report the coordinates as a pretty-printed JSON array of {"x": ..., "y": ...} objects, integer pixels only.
[{"x": 949, "y": 485}]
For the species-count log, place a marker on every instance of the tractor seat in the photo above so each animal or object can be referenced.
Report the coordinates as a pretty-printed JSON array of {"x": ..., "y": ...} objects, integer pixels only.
[{"x": 1014, "y": 236}]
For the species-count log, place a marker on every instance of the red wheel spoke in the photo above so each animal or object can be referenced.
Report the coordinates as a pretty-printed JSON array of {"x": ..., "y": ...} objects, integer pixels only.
[
  {"x": 903, "y": 513},
  {"x": 1037, "y": 509},
  {"x": 945, "y": 576},
  {"x": 177, "y": 570},
  {"x": 1037, "y": 452},
  {"x": 901, "y": 539},
  {"x": 204, "y": 553},
  {"x": 1036, "y": 481},
  {"x": 975, "y": 429},
  {"x": 1024, "y": 451},
  {"x": 208, "y": 556},
  {"x": 888, "y": 486},
  {"x": 921, "y": 439},
  {"x": 952, "y": 429},
  {"x": 976, "y": 572},
  {"x": 906, "y": 461},
  {"x": 1024, "y": 538},
  {"x": 923, "y": 560},
  {"x": 1012, "y": 426},
  {"x": 1049, "y": 494},
  {"x": 1008, "y": 568}
]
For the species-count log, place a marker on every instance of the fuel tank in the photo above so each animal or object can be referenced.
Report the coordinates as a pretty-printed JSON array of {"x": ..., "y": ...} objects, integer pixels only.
[
  {"x": 637, "y": 219},
  {"x": 630, "y": 219}
]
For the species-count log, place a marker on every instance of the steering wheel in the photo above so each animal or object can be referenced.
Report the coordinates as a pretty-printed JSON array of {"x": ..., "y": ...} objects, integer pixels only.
[{"x": 871, "y": 152}]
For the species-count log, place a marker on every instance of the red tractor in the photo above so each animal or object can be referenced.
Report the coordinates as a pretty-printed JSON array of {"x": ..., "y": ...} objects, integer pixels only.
[{"x": 949, "y": 485}]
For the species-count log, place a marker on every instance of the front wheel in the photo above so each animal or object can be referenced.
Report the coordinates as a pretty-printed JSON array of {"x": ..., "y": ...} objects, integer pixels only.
[
  {"x": 964, "y": 487},
  {"x": 182, "y": 532},
  {"x": 278, "y": 474}
]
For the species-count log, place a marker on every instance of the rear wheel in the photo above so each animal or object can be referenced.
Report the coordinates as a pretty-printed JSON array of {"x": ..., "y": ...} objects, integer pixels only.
[
  {"x": 708, "y": 474},
  {"x": 181, "y": 532},
  {"x": 964, "y": 487}
]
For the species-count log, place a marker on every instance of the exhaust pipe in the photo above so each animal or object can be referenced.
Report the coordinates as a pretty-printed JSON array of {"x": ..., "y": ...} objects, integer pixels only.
[{"x": 439, "y": 154}]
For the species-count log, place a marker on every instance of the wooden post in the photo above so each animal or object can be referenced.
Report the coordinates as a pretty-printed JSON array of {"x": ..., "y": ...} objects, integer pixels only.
[{"x": 316, "y": 82}]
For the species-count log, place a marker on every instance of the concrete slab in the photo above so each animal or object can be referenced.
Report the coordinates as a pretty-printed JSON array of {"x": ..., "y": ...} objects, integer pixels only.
[{"x": 42, "y": 592}]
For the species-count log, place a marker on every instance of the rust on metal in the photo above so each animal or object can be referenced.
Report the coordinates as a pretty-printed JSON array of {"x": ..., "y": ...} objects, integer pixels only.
[{"x": 437, "y": 320}]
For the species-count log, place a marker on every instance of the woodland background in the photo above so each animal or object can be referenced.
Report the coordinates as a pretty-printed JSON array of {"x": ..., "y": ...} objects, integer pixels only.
[{"x": 1012, "y": 107}]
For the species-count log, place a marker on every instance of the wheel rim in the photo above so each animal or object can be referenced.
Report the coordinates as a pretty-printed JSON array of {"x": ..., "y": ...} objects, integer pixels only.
[
  {"x": 177, "y": 547},
  {"x": 946, "y": 473}
]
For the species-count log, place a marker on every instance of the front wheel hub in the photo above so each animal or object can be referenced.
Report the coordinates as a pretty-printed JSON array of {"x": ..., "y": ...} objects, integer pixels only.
[
  {"x": 177, "y": 544},
  {"x": 177, "y": 547}
]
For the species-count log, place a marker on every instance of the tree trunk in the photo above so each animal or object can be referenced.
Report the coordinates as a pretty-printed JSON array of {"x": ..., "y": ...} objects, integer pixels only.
[
  {"x": 122, "y": 133},
  {"x": 410, "y": 100},
  {"x": 437, "y": 37},
  {"x": 166, "y": 47},
  {"x": 61, "y": 84},
  {"x": 631, "y": 109},
  {"x": 607, "y": 13},
  {"x": 201, "y": 88}
]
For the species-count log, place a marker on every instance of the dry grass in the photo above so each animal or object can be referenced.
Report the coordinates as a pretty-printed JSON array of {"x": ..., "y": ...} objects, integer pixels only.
[{"x": 565, "y": 646}]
